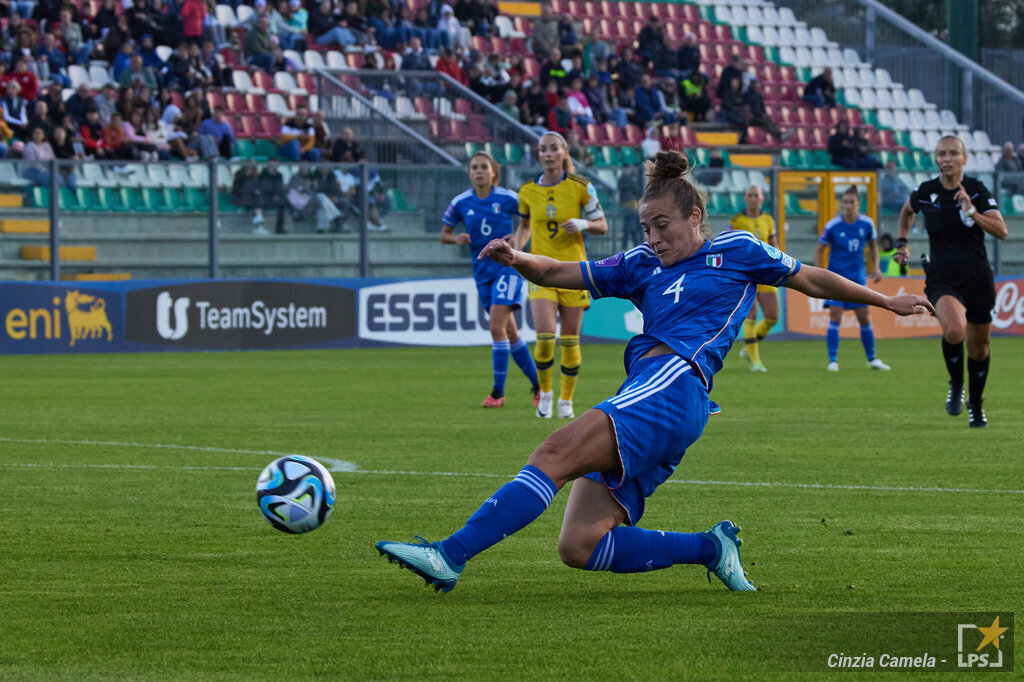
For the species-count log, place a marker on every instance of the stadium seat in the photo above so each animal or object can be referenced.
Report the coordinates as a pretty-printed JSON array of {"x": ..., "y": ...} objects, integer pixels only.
[
  {"x": 630, "y": 156},
  {"x": 262, "y": 82},
  {"x": 109, "y": 199},
  {"x": 244, "y": 83}
]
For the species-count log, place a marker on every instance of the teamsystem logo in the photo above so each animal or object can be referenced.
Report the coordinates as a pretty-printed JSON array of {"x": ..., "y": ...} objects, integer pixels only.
[
  {"x": 172, "y": 320},
  {"x": 969, "y": 656}
]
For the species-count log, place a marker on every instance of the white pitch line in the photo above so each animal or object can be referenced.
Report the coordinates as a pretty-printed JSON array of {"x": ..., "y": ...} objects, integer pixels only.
[{"x": 342, "y": 466}]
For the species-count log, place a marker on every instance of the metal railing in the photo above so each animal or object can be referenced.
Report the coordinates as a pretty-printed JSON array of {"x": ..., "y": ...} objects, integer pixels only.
[
  {"x": 253, "y": 218},
  {"x": 883, "y": 38}
]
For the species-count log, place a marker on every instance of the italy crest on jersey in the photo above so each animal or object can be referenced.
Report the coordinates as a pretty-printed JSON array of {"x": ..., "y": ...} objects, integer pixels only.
[{"x": 714, "y": 260}]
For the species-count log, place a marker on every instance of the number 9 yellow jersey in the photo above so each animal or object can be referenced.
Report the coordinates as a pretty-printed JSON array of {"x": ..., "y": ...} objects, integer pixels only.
[{"x": 547, "y": 207}]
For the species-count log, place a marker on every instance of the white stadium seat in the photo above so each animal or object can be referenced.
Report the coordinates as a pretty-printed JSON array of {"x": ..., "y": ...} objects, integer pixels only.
[
  {"x": 336, "y": 60},
  {"x": 226, "y": 16},
  {"x": 917, "y": 99},
  {"x": 244, "y": 84},
  {"x": 314, "y": 60},
  {"x": 900, "y": 99},
  {"x": 771, "y": 16}
]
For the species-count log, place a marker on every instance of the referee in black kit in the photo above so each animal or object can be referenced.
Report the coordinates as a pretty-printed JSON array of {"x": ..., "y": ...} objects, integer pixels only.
[{"x": 958, "y": 211}]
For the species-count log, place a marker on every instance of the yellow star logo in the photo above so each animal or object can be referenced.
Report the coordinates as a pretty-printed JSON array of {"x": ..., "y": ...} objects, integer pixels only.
[{"x": 991, "y": 633}]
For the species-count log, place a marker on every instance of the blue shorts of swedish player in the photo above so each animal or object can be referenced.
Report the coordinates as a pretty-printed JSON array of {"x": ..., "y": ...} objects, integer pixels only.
[
  {"x": 505, "y": 288},
  {"x": 658, "y": 412}
]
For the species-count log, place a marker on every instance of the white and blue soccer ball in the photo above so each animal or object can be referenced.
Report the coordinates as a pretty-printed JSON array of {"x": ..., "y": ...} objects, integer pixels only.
[{"x": 295, "y": 494}]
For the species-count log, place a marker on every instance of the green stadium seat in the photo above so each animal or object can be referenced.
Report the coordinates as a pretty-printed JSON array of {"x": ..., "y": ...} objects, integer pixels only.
[
  {"x": 109, "y": 199},
  {"x": 820, "y": 159},
  {"x": 726, "y": 158},
  {"x": 702, "y": 155},
  {"x": 629, "y": 156},
  {"x": 904, "y": 161},
  {"x": 245, "y": 149},
  {"x": 736, "y": 204},
  {"x": 130, "y": 199},
  {"x": 68, "y": 201},
  {"x": 718, "y": 204},
  {"x": 496, "y": 150},
  {"x": 789, "y": 158},
  {"x": 606, "y": 156},
  {"x": 902, "y": 139},
  {"x": 870, "y": 118},
  {"x": 37, "y": 197},
  {"x": 88, "y": 199},
  {"x": 1016, "y": 204},
  {"x": 224, "y": 204},
  {"x": 513, "y": 154},
  {"x": 153, "y": 200},
  {"x": 793, "y": 206},
  {"x": 472, "y": 148},
  {"x": 922, "y": 162},
  {"x": 266, "y": 149},
  {"x": 398, "y": 202}
]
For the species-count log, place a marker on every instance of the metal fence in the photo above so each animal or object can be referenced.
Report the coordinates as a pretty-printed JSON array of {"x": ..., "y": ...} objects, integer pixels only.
[
  {"x": 980, "y": 99},
  {"x": 264, "y": 218}
]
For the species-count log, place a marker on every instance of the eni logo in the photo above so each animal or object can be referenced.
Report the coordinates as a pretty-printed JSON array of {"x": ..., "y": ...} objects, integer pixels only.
[
  {"x": 88, "y": 323},
  {"x": 87, "y": 319}
]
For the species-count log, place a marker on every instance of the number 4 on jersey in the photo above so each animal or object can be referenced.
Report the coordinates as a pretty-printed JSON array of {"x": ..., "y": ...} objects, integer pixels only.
[{"x": 676, "y": 288}]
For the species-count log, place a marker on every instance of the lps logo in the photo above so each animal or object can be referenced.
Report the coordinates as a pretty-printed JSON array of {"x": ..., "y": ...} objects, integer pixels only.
[
  {"x": 164, "y": 304},
  {"x": 970, "y": 657}
]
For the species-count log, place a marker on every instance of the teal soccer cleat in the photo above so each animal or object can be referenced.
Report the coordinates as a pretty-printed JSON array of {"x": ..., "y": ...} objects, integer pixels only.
[
  {"x": 425, "y": 559},
  {"x": 726, "y": 564}
]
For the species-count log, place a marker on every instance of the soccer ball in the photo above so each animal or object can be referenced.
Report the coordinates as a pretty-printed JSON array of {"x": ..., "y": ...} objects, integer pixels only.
[{"x": 295, "y": 494}]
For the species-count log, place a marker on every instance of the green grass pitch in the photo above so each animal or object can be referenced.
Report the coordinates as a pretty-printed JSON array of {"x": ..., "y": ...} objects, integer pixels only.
[{"x": 131, "y": 546}]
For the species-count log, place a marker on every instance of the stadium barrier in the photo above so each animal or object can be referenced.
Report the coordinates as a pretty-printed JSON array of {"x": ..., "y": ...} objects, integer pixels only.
[{"x": 225, "y": 314}]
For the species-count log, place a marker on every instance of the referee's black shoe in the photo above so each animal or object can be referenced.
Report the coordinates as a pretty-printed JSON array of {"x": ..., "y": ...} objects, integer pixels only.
[
  {"x": 955, "y": 400},
  {"x": 977, "y": 414}
]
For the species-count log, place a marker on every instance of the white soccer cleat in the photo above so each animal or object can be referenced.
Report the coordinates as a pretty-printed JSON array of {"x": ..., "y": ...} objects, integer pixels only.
[
  {"x": 565, "y": 409},
  {"x": 544, "y": 406},
  {"x": 833, "y": 366},
  {"x": 878, "y": 364}
]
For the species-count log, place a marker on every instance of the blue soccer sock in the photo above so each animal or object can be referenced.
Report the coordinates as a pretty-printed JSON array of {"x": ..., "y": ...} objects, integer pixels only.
[
  {"x": 523, "y": 359},
  {"x": 867, "y": 339},
  {"x": 514, "y": 506},
  {"x": 499, "y": 360},
  {"x": 627, "y": 549},
  {"x": 832, "y": 341}
]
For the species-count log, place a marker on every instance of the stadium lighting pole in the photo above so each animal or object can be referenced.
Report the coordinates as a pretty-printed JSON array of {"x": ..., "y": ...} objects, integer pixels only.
[
  {"x": 54, "y": 222},
  {"x": 364, "y": 207},
  {"x": 214, "y": 219}
]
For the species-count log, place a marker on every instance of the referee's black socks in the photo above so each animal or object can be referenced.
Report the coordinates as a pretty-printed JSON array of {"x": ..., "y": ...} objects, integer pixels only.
[
  {"x": 977, "y": 372},
  {"x": 954, "y": 355}
]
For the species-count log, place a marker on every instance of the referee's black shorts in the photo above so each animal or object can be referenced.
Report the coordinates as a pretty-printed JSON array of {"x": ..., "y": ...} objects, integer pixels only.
[{"x": 975, "y": 288}]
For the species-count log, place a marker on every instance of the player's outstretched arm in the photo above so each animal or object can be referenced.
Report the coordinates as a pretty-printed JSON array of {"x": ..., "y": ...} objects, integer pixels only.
[
  {"x": 547, "y": 272},
  {"x": 819, "y": 283}
]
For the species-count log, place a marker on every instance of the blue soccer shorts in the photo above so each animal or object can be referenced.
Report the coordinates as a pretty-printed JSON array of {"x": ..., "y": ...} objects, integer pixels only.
[
  {"x": 658, "y": 412},
  {"x": 506, "y": 288}
]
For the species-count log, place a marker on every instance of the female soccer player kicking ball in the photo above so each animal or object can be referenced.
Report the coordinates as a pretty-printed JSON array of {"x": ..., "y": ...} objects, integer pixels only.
[{"x": 694, "y": 294}]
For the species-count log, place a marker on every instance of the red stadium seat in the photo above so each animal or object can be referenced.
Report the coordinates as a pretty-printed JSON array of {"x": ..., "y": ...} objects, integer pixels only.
[
  {"x": 498, "y": 45},
  {"x": 574, "y": 8},
  {"x": 613, "y": 134},
  {"x": 591, "y": 9},
  {"x": 786, "y": 74},
  {"x": 531, "y": 68},
  {"x": 673, "y": 13},
  {"x": 722, "y": 33},
  {"x": 215, "y": 99},
  {"x": 633, "y": 135},
  {"x": 801, "y": 139},
  {"x": 305, "y": 80},
  {"x": 271, "y": 126},
  {"x": 255, "y": 103},
  {"x": 593, "y": 134},
  {"x": 690, "y": 12},
  {"x": 480, "y": 43},
  {"x": 295, "y": 100},
  {"x": 756, "y": 136},
  {"x": 424, "y": 106},
  {"x": 819, "y": 138},
  {"x": 769, "y": 72},
  {"x": 263, "y": 80},
  {"x": 249, "y": 126}
]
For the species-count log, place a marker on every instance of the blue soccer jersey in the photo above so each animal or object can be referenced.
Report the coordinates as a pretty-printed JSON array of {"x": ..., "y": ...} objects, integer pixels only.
[
  {"x": 485, "y": 219},
  {"x": 847, "y": 242},
  {"x": 697, "y": 305}
]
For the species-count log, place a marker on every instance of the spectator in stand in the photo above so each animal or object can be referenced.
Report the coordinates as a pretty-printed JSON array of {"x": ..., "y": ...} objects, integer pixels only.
[
  {"x": 651, "y": 39},
  {"x": 25, "y": 78},
  {"x": 673, "y": 142},
  {"x": 116, "y": 140},
  {"x": 259, "y": 48},
  {"x": 272, "y": 193},
  {"x": 114, "y": 39},
  {"x": 649, "y": 104},
  {"x": 106, "y": 102},
  {"x": 123, "y": 59},
  {"x": 53, "y": 96},
  {"x": 552, "y": 70},
  {"x": 734, "y": 69},
  {"x": 579, "y": 107},
  {"x": 1020, "y": 153},
  {"x": 450, "y": 28},
  {"x": 1009, "y": 162},
  {"x": 477, "y": 16},
  {"x": 622, "y": 99},
  {"x": 91, "y": 132},
  {"x": 544, "y": 34},
  {"x": 147, "y": 50},
  {"x": 220, "y": 130},
  {"x": 298, "y": 137},
  {"x": 734, "y": 110},
  {"x": 577, "y": 70},
  {"x": 359, "y": 25},
  {"x": 210, "y": 66},
  {"x": 38, "y": 149},
  {"x": 568, "y": 41},
  {"x": 694, "y": 96},
  {"x": 78, "y": 103},
  {"x": 245, "y": 194},
  {"x": 449, "y": 64},
  {"x": 64, "y": 149},
  {"x": 14, "y": 108},
  {"x": 820, "y": 92},
  {"x": 559, "y": 117},
  {"x": 893, "y": 190},
  {"x": 630, "y": 71},
  {"x": 157, "y": 132},
  {"x": 509, "y": 104},
  {"x": 842, "y": 147},
  {"x": 688, "y": 56},
  {"x": 193, "y": 13},
  {"x": 577, "y": 150},
  {"x": 597, "y": 98},
  {"x": 534, "y": 109},
  {"x": 630, "y": 188},
  {"x": 181, "y": 72},
  {"x": 328, "y": 29},
  {"x": 140, "y": 20},
  {"x": 40, "y": 118},
  {"x": 759, "y": 117},
  {"x": 867, "y": 155},
  {"x": 652, "y": 142},
  {"x": 602, "y": 70},
  {"x": 138, "y": 72},
  {"x": 54, "y": 58},
  {"x": 135, "y": 134},
  {"x": 166, "y": 31},
  {"x": 345, "y": 149},
  {"x": 71, "y": 35},
  {"x": 712, "y": 174},
  {"x": 282, "y": 63},
  {"x": 288, "y": 35}
]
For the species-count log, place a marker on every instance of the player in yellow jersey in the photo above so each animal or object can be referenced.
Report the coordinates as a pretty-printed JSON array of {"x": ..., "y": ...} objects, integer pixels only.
[
  {"x": 763, "y": 227},
  {"x": 551, "y": 205}
]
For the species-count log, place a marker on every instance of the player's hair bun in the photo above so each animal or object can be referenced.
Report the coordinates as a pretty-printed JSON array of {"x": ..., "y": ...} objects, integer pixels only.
[{"x": 667, "y": 165}]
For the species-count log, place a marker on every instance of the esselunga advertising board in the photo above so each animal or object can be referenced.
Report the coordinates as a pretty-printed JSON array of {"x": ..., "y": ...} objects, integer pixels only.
[{"x": 231, "y": 314}]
